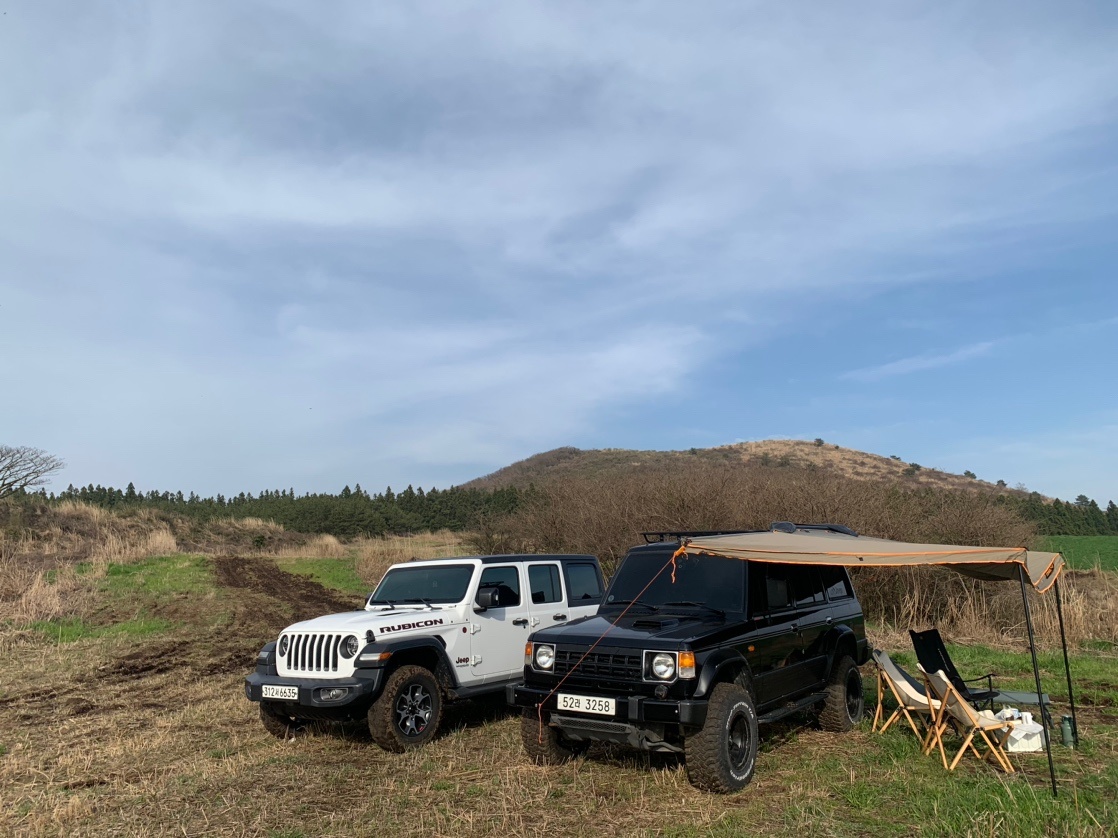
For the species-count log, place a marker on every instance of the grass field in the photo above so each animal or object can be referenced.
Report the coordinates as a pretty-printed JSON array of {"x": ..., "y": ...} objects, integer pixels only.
[
  {"x": 1085, "y": 552},
  {"x": 128, "y": 718}
]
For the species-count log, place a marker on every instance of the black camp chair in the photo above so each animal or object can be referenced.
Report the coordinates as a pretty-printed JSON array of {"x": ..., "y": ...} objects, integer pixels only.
[{"x": 933, "y": 656}]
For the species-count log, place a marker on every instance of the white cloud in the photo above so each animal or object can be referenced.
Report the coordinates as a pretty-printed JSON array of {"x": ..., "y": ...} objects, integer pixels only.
[
  {"x": 467, "y": 231},
  {"x": 919, "y": 363}
]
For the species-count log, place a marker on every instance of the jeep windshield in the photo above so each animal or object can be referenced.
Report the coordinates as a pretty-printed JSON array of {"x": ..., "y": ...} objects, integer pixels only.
[
  {"x": 702, "y": 583},
  {"x": 420, "y": 585}
]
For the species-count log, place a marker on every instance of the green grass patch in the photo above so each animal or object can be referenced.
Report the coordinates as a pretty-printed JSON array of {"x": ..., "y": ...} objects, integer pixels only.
[
  {"x": 1085, "y": 552},
  {"x": 1094, "y": 675},
  {"x": 71, "y": 630},
  {"x": 339, "y": 574},
  {"x": 178, "y": 574}
]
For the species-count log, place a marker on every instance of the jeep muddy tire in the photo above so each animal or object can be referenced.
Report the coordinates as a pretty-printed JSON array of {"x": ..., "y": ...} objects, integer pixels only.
[
  {"x": 845, "y": 703},
  {"x": 408, "y": 712},
  {"x": 280, "y": 725},
  {"x": 722, "y": 755},
  {"x": 547, "y": 746}
]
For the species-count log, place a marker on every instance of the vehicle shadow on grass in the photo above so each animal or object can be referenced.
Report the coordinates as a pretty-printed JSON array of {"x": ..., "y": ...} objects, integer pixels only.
[
  {"x": 472, "y": 713},
  {"x": 772, "y": 737}
]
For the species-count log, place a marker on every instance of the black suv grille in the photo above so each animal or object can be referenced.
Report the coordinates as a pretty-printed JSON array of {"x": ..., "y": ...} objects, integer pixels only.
[{"x": 599, "y": 665}]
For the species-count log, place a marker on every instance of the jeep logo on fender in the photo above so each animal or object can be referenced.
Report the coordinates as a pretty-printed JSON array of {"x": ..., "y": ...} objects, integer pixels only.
[{"x": 416, "y": 625}]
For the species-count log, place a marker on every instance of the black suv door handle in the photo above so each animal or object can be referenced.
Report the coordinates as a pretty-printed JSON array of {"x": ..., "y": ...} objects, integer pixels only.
[
  {"x": 558, "y": 616},
  {"x": 520, "y": 621}
]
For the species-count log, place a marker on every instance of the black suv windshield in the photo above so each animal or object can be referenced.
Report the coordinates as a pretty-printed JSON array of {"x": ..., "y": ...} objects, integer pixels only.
[
  {"x": 439, "y": 584},
  {"x": 713, "y": 583}
]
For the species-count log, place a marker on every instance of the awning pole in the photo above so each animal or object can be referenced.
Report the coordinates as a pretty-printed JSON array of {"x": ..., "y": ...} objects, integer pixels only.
[
  {"x": 1036, "y": 675},
  {"x": 1067, "y": 666}
]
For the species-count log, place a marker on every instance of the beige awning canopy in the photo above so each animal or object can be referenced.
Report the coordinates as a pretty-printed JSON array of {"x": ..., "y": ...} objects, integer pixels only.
[{"x": 830, "y": 548}]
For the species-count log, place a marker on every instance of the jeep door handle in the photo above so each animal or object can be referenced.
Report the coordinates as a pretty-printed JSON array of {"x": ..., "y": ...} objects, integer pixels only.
[
  {"x": 520, "y": 621},
  {"x": 558, "y": 616}
]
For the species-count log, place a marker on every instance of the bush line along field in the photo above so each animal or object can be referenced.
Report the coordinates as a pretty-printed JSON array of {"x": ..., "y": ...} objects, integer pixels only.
[{"x": 121, "y": 708}]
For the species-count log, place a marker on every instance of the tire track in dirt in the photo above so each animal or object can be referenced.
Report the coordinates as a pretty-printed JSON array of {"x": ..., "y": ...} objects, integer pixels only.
[{"x": 255, "y": 600}]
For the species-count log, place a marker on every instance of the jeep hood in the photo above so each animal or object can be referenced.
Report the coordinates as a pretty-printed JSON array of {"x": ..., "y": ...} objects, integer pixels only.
[{"x": 388, "y": 623}]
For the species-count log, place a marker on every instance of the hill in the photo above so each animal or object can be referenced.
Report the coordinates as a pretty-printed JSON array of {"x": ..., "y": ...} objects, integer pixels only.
[{"x": 562, "y": 463}]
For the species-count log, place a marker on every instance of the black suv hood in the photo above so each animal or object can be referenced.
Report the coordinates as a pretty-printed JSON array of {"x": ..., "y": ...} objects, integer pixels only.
[{"x": 635, "y": 630}]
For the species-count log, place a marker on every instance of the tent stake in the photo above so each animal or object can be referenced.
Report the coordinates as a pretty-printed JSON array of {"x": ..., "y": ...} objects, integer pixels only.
[
  {"x": 1067, "y": 666},
  {"x": 1036, "y": 675}
]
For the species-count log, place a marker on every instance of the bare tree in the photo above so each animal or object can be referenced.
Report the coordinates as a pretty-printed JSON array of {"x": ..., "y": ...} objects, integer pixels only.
[{"x": 22, "y": 468}]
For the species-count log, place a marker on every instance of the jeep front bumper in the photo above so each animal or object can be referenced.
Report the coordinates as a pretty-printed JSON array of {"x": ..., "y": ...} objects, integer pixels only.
[
  {"x": 633, "y": 709},
  {"x": 362, "y": 688}
]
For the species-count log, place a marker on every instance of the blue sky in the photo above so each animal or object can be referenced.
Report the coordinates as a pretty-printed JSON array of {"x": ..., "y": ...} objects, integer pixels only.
[{"x": 267, "y": 245}]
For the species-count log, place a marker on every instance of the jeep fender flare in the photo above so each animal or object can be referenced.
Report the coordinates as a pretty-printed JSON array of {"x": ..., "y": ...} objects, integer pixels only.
[
  {"x": 840, "y": 640},
  {"x": 400, "y": 650},
  {"x": 724, "y": 665}
]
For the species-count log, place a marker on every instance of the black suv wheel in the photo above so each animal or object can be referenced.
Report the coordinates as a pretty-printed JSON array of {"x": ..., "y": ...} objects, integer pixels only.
[
  {"x": 544, "y": 744},
  {"x": 844, "y": 704},
  {"x": 407, "y": 713},
  {"x": 721, "y": 757}
]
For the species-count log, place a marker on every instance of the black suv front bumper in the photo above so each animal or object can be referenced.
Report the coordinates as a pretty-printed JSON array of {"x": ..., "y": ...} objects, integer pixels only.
[{"x": 634, "y": 710}]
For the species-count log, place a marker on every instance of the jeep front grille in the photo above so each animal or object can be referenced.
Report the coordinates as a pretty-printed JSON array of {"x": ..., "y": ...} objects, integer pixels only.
[
  {"x": 602, "y": 666},
  {"x": 313, "y": 652}
]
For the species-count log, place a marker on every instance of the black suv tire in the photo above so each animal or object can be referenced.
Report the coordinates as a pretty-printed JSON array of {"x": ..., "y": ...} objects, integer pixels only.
[
  {"x": 280, "y": 725},
  {"x": 722, "y": 755},
  {"x": 845, "y": 703},
  {"x": 407, "y": 713},
  {"x": 547, "y": 746}
]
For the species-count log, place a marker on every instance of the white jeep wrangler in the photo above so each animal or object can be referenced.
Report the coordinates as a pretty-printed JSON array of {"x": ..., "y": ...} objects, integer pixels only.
[{"x": 432, "y": 631}]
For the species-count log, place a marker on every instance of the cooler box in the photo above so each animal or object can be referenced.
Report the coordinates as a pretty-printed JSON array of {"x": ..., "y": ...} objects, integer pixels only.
[{"x": 1025, "y": 738}]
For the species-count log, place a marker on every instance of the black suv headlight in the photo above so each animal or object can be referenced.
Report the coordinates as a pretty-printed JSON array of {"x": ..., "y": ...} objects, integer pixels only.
[
  {"x": 668, "y": 666},
  {"x": 541, "y": 657}
]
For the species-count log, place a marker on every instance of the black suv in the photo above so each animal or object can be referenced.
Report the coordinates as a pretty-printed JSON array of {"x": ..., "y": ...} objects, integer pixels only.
[{"x": 694, "y": 664}]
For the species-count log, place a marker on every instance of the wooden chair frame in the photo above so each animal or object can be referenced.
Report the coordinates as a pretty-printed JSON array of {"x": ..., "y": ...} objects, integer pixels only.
[
  {"x": 956, "y": 711},
  {"x": 908, "y": 701}
]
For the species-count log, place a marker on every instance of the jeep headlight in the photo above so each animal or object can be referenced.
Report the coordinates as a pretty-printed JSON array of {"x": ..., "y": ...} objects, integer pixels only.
[
  {"x": 350, "y": 646},
  {"x": 283, "y": 644},
  {"x": 663, "y": 666},
  {"x": 545, "y": 656}
]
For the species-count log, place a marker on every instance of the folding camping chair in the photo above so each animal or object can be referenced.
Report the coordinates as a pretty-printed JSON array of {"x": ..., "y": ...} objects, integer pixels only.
[
  {"x": 933, "y": 657},
  {"x": 911, "y": 697},
  {"x": 957, "y": 710}
]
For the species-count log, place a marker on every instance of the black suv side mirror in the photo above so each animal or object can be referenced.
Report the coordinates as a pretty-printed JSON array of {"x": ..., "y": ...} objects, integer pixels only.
[{"x": 488, "y": 598}]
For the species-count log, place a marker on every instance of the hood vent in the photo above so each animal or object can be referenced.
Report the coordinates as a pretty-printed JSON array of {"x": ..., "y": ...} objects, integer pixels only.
[{"x": 647, "y": 623}]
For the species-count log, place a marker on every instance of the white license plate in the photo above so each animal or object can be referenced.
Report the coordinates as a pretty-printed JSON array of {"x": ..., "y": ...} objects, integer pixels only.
[
  {"x": 276, "y": 691},
  {"x": 587, "y": 704}
]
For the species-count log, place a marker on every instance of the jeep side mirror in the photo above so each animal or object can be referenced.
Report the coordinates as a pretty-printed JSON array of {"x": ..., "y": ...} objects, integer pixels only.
[{"x": 488, "y": 598}]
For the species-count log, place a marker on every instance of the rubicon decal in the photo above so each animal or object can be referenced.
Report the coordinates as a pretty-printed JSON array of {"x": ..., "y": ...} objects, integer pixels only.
[{"x": 416, "y": 625}]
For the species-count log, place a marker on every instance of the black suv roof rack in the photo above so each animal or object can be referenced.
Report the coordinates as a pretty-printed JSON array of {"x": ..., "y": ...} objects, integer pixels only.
[
  {"x": 675, "y": 535},
  {"x": 788, "y": 526}
]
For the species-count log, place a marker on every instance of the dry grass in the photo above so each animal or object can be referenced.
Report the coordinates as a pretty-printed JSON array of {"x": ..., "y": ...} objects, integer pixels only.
[
  {"x": 317, "y": 547},
  {"x": 376, "y": 555}
]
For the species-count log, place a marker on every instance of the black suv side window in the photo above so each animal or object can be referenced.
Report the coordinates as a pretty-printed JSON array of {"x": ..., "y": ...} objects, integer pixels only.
[
  {"x": 583, "y": 584},
  {"x": 504, "y": 579},
  {"x": 543, "y": 581},
  {"x": 808, "y": 586},
  {"x": 834, "y": 580},
  {"x": 770, "y": 588}
]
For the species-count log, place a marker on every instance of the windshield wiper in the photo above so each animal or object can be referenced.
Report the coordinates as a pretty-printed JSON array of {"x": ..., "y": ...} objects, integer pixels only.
[
  {"x": 634, "y": 602},
  {"x": 424, "y": 600},
  {"x": 389, "y": 602},
  {"x": 691, "y": 603}
]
